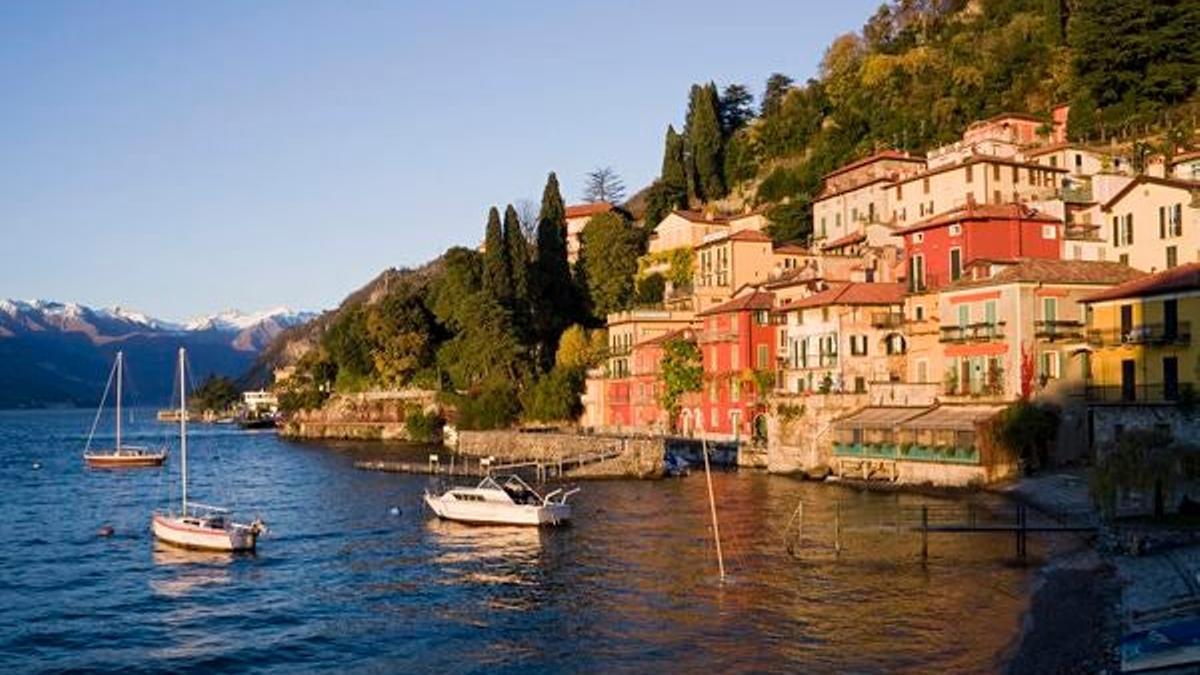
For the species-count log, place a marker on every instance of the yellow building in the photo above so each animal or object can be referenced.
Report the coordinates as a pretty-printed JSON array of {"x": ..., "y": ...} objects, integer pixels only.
[{"x": 1143, "y": 365}]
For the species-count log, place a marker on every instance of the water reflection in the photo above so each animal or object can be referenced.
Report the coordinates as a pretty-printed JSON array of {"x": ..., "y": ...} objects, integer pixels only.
[
  {"x": 185, "y": 570},
  {"x": 485, "y": 554}
]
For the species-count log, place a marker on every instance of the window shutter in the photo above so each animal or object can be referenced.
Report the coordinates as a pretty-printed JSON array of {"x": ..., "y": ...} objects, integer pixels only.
[
  {"x": 1116, "y": 231},
  {"x": 1162, "y": 222}
]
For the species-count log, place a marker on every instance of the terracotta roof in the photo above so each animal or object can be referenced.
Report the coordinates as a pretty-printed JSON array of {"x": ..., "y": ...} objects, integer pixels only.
[
  {"x": 981, "y": 212},
  {"x": 1086, "y": 272},
  {"x": 687, "y": 334},
  {"x": 791, "y": 248},
  {"x": 749, "y": 235},
  {"x": 1143, "y": 179},
  {"x": 589, "y": 209},
  {"x": 701, "y": 217},
  {"x": 830, "y": 194},
  {"x": 1185, "y": 157},
  {"x": 1026, "y": 117},
  {"x": 847, "y": 240},
  {"x": 1053, "y": 147},
  {"x": 1182, "y": 278},
  {"x": 871, "y": 159},
  {"x": 750, "y": 301},
  {"x": 855, "y": 294}
]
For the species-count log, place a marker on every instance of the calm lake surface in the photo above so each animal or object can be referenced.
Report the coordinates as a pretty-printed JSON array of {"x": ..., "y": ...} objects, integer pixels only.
[{"x": 340, "y": 583}]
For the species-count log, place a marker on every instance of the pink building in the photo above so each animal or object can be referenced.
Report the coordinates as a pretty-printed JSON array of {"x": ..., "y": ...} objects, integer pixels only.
[{"x": 737, "y": 342}]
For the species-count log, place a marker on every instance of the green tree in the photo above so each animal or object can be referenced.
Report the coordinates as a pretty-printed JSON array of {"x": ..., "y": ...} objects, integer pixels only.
[
  {"x": 497, "y": 270},
  {"x": 704, "y": 143},
  {"x": 1083, "y": 121},
  {"x": 777, "y": 88},
  {"x": 604, "y": 185},
  {"x": 401, "y": 332},
  {"x": 581, "y": 349},
  {"x": 555, "y": 397},
  {"x": 674, "y": 175},
  {"x": 609, "y": 250},
  {"x": 215, "y": 393},
  {"x": 518, "y": 254},
  {"x": 555, "y": 304},
  {"x": 736, "y": 108},
  {"x": 485, "y": 349},
  {"x": 461, "y": 278},
  {"x": 346, "y": 342},
  {"x": 651, "y": 288},
  {"x": 681, "y": 373}
]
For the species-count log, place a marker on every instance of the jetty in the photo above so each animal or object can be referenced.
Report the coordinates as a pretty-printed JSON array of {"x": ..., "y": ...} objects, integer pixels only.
[{"x": 478, "y": 467}]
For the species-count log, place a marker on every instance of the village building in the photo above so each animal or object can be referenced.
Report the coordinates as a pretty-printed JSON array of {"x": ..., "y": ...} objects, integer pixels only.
[
  {"x": 1002, "y": 136},
  {"x": 626, "y": 329},
  {"x": 738, "y": 345},
  {"x": 577, "y": 218},
  {"x": 641, "y": 409},
  {"x": 856, "y": 195},
  {"x": 1079, "y": 161},
  {"x": 1153, "y": 224},
  {"x": 938, "y": 249},
  {"x": 1186, "y": 166},
  {"x": 922, "y": 333},
  {"x": 726, "y": 262},
  {"x": 842, "y": 338},
  {"x": 1143, "y": 363},
  {"x": 1010, "y": 329}
]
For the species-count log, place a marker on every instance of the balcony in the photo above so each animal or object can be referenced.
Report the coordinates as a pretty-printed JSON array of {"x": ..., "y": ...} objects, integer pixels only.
[
  {"x": 1058, "y": 329},
  {"x": 812, "y": 362},
  {"x": 974, "y": 332},
  {"x": 1143, "y": 334},
  {"x": 1137, "y": 393},
  {"x": 887, "y": 320},
  {"x": 710, "y": 336}
]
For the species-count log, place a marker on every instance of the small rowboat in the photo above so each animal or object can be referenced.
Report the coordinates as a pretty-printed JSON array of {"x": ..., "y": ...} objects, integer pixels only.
[{"x": 492, "y": 502}]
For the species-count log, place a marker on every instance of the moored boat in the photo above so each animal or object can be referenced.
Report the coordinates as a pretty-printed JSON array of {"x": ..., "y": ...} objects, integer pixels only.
[
  {"x": 509, "y": 501},
  {"x": 200, "y": 526},
  {"x": 120, "y": 456}
]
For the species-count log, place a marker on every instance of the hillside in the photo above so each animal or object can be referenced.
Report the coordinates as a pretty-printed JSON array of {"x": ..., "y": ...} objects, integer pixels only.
[
  {"x": 60, "y": 354},
  {"x": 916, "y": 75}
]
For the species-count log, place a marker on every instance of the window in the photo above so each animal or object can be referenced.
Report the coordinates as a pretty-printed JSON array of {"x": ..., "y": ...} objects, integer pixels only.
[
  {"x": 1172, "y": 256},
  {"x": 1016, "y": 176},
  {"x": 1050, "y": 309},
  {"x": 733, "y": 359},
  {"x": 837, "y": 220},
  {"x": 858, "y": 345},
  {"x": 918, "y": 237},
  {"x": 1050, "y": 366},
  {"x": 1077, "y": 252},
  {"x": 1049, "y": 232},
  {"x": 1078, "y": 162},
  {"x": 1162, "y": 222},
  {"x": 1128, "y": 380},
  {"x": 969, "y": 173},
  {"x": 1171, "y": 319},
  {"x": 955, "y": 264},
  {"x": 854, "y": 215},
  {"x": 996, "y": 175},
  {"x": 899, "y": 191},
  {"x": 925, "y": 185},
  {"x": 922, "y": 370},
  {"x": 735, "y": 390},
  {"x": 919, "y": 313},
  {"x": 996, "y": 198},
  {"x": 1126, "y": 322},
  {"x": 764, "y": 356},
  {"x": 916, "y": 277},
  {"x": 1053, "y": 161},
  {"x": 955, "y": 230},
  {"x": 860, "y": 385},
  {"x": 825, "y": 314},
  {"x": 1124, "y": 259},
  {"x": 964, "y": 316},
  {"x": 1175, "y": 221},
  {"x": 989, "y": 312},
  {"x": 713, "y": 419},
  {"x": 822, "y": 226},
  {"x": 762, "y": 317}
]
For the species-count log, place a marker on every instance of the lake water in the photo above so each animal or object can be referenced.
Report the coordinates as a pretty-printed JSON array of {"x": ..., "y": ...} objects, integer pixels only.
[{"x": 340, "y": 583}]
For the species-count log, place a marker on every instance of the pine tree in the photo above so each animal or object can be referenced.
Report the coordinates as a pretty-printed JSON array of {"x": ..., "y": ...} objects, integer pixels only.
[
  {"x": 703, "y": 132},
  {"x": 517, "y": 249},
  {"x": 737, "y": 108},
  {"x": 497, "y": 271},
  {"x": 778, "y": 85},
  {"x": 555, "y": 306}
]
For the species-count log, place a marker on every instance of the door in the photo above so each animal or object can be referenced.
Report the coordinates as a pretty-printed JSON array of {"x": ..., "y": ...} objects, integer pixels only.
[
  {"x": 1170, "y": 320},
  {"x": 1128, "y": 380},
  {"x": 1170, "y": 366},
  {"x": 1126, "y": 322}
]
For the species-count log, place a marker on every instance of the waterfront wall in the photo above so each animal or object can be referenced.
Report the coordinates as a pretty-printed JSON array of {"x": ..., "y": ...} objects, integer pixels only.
[
  {"x": 376, "y": 415},
  {"x": 799, "y": 429},
  {"x": 636, "y": 457}
]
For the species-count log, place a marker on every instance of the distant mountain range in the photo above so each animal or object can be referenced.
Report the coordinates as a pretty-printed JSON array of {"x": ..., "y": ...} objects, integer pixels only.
[{"x": 59, "y": 354}]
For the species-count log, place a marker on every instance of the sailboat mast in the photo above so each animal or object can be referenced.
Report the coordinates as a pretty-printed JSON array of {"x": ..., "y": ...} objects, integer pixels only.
[
  {"x": 712, "y": 505},
  {"x": 183, "y": 425},
  {"x": 120, "y": 374}
]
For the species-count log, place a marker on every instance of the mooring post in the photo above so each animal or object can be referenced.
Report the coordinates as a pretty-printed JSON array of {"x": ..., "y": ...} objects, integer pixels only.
[
  {"x": 800, "y": 526},
  {"x": 1021, "y": 534},
  {"x": 924, "y": 533},
  {"x": 837, "y": 527}
]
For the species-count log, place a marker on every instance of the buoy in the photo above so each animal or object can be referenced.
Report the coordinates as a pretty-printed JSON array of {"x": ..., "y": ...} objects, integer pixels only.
[
  {"x": 105, "y": 531},
  {"x": 395, "y": 511},
  {"x": 37, "y": 465}
]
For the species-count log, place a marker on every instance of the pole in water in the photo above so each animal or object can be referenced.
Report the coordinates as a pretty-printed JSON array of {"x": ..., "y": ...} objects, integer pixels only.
[
  {"x": 924, "y": 533},
  {"x": 712, "y": 505},
  {"x": 837, "y": 527}
]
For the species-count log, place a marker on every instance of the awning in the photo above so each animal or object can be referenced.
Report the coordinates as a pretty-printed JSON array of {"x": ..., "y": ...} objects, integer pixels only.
[
  {"x": 952, "y": 417},
  {"x": 878, "y": 417}
]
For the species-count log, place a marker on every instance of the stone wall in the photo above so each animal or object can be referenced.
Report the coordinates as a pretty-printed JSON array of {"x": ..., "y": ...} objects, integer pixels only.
[
  {"x": 1184, "y": 424},
  {"x": 639, "y": 457},
  {"x": 377, "y": 415},
  {"x": 799, "y": 429}
]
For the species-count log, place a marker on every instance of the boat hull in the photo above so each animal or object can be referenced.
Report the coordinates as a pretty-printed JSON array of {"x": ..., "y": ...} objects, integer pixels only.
[
  {"x": 493, "y": 513},
  {"x": 124, "y": 461},
  {"x": 176, "y": 533}
]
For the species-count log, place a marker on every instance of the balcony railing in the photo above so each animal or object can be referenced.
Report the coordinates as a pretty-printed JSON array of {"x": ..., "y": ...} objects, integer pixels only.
[
  {"x": 1143, "y": 334},
  {"x": 1058, "y": 329},
  {"x": 974, "y": 332},
  {"x": 1138, "y": 393},
  {"x": 887, "y": 319}
]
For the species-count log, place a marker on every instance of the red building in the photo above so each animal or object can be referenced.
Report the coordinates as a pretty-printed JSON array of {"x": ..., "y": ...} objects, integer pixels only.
[
  {"x": 737, "y": 344},
  {"x": 940, "y": 248}
]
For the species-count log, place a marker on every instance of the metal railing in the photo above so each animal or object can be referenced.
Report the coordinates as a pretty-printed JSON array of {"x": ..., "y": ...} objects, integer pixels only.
[
  {"x": 1058, "y": 329},
  {"x": 974, "y": 332},
  {"x": 887, "y": 320},
  {"x": 1142, "y": 334}
]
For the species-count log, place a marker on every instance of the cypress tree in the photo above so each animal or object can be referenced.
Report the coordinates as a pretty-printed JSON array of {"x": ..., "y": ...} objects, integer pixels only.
[
  {"x": 497, "y": 274},
  {"x": 674, "y": 172},
  {"x": 704, "y": 139},
  {"x": 555, "y": 302},
  {"x": 518, "y": 254}
]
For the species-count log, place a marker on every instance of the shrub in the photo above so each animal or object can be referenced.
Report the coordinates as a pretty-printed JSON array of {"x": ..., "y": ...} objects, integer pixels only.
[
  {"x": 495, "y": 407},
  {"x": 555, "y": 397},
  {"x": 423, "y": 427}
]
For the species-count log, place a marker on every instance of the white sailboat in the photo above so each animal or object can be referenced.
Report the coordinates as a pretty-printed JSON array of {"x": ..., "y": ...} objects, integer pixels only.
[
  {"x": 200, "y": 526},
  {"x": 120, "y": 456}
]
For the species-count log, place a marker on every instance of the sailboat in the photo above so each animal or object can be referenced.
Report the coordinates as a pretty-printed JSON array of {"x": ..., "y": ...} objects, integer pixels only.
[
  {"x": 200, "y": 526},
  {"x": 121, "y": 456}
]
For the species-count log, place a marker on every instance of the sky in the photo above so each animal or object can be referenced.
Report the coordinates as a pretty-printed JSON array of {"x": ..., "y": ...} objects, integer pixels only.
[{"x": 185, "y": 158}]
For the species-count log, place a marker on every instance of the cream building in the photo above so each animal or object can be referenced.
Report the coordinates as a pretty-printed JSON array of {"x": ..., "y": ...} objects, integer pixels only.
[{"x": 1153, "y": 224}]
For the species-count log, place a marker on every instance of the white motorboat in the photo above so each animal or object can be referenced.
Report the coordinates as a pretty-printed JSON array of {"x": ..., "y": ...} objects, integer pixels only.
[
  {"x": 508, "y": 501},
  {"x": 199, "y": 526}
]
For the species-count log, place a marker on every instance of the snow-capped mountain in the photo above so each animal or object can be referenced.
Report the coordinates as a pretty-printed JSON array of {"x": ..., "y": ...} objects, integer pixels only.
[{"x": 55, "y": 352}]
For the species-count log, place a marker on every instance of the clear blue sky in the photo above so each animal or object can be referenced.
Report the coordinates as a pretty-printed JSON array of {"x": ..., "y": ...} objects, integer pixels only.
[{"x": 182, "y": 158}]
